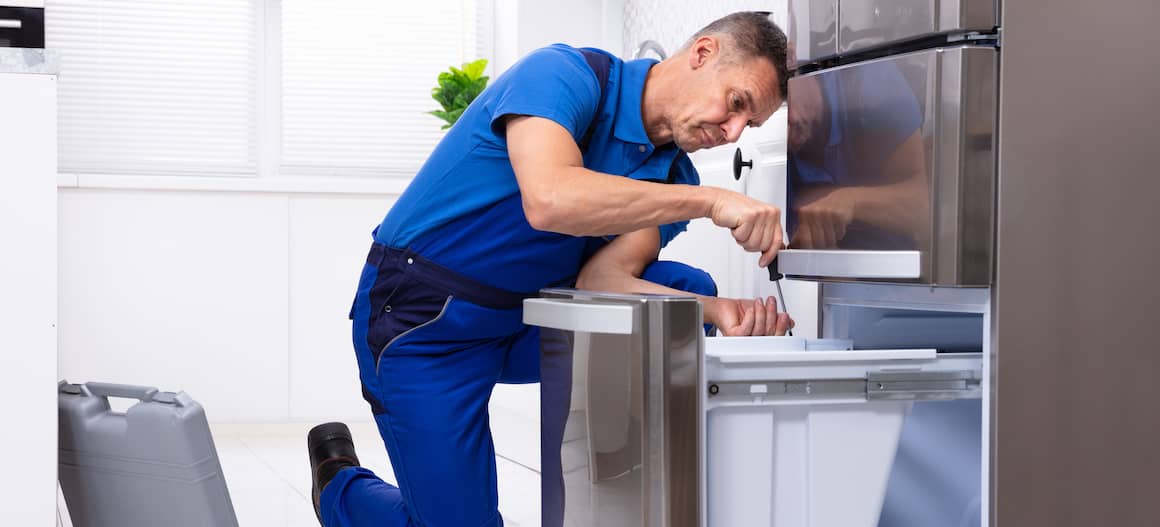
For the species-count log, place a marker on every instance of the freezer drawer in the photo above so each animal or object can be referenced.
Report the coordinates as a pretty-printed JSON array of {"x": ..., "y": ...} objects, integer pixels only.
[
  {"x": 646, "y": 422},
  {"x": 891, "y": 170}
]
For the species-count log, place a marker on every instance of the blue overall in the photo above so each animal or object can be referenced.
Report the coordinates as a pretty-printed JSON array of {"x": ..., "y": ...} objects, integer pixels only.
[{"x": 437, "y": 316}]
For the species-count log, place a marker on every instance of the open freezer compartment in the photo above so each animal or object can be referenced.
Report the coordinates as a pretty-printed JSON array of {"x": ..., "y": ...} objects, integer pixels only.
[
  {"x": 803, "y": 432},
  {"x": 940, "y": 473},
  {"x": 646, "y": 422}
]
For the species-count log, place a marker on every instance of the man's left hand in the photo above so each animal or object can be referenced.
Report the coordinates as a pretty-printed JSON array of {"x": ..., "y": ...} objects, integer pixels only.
[{"x": 743, "y": 317}]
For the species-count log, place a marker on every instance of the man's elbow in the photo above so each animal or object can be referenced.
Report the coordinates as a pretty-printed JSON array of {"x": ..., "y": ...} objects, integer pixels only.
[
  {"x": 539, "y": 216},
  {"x": 544, "y": 212},
  {"x": 594, "y": 277}
]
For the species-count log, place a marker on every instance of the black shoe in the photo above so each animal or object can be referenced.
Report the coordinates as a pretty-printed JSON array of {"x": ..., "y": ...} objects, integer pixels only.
[{"x": 331, "y": 450}]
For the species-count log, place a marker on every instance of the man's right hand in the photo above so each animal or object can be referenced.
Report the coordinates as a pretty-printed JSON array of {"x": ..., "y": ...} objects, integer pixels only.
[{"x": 755, "y": 225}]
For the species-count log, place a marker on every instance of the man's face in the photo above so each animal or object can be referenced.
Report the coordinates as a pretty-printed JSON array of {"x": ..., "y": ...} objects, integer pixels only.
[
  {"x": 805, "y": 113},
  {"x": 723, "y": 98}
]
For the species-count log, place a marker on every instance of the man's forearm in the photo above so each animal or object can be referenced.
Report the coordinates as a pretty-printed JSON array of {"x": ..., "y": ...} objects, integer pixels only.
[
  {"x": 583, "y": 202},
  {"x": 616, "y": 281}
]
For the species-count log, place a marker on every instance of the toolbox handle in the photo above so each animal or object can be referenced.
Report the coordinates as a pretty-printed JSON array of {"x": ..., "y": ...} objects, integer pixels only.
[{"x": 128, "y": 391}]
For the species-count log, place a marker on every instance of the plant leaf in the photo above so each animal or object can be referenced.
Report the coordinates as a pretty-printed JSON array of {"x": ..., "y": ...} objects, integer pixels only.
[
  {"x": 457, "y": 88},
  {"x": 475, "y": 69}
]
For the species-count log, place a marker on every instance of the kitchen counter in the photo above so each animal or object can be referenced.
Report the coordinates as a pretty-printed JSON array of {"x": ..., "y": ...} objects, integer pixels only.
[{"x": 26, "y": 60}]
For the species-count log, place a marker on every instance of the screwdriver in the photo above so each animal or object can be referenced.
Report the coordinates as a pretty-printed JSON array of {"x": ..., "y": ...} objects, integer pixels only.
[{"x": 775, "y": 277}]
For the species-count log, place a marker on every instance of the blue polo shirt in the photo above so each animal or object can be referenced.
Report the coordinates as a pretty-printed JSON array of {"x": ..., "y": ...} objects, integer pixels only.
[{"x": 463, "y": 209}]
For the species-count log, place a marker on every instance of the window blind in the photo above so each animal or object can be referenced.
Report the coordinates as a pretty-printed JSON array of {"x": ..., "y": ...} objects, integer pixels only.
[
  {"x": 357, "y": 78},
  {"x": 157, "y": 86}
]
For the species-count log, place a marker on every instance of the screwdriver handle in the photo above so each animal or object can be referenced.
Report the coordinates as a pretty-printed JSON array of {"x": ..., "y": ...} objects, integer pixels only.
[{"x": 774, "y": 275}]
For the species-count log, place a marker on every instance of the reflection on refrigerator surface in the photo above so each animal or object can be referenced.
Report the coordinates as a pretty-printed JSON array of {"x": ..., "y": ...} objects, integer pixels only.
[{"x": 858, "y": 169}]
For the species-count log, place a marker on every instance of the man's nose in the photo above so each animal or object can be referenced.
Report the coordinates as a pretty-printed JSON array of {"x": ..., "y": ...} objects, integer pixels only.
[{"x": 732, "y": 128}]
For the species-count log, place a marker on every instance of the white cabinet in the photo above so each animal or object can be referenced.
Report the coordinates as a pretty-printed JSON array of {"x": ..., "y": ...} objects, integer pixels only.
[{"x": 28, "y": 299}]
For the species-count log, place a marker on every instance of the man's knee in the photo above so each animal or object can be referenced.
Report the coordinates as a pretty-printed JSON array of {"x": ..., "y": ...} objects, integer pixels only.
[{"x": 680, "y": 276}]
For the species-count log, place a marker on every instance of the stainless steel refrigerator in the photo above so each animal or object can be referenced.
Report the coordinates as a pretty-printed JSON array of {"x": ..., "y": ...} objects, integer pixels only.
[
  {"x": 1044, "y": 112},
  {"x": 971, "y": 183}
]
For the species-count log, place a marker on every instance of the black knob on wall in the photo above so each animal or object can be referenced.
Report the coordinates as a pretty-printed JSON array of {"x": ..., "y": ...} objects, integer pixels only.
[{"x": 738, "y": 163}]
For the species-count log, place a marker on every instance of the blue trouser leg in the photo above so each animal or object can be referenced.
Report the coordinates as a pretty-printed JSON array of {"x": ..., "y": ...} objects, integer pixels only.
[
  {"x": 356, "y": 496},
  {"x": 555, "y": 404},
  {"x": 428, "y": 364},
  {"x": 680, "y": 276},
  {"x": 683, "y": 277},
  {"x": 433, "y": 385}
]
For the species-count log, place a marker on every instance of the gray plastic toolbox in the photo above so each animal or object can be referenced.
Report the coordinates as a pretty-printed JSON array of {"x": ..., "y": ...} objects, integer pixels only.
[{"x": 153, "y": 465}]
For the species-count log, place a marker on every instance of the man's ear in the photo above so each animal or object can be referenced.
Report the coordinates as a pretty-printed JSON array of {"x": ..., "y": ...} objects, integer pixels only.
[{"x": 703, "y": 50}]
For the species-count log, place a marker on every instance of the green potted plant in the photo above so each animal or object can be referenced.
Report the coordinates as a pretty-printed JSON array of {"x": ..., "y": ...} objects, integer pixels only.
[{"x": 457, "y": 88}]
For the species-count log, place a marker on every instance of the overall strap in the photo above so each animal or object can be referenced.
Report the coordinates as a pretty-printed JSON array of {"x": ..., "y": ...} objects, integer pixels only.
[{"x": 600, "y": 64}]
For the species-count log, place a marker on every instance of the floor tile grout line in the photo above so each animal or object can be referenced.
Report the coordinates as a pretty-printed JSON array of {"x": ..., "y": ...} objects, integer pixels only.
[
  {"x": 277, "y": 474},
  {"x": 517, "y": 463}
]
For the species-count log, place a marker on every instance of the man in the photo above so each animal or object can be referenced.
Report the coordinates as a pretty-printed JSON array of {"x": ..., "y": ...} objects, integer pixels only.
[{"x": 571, "y": 169}]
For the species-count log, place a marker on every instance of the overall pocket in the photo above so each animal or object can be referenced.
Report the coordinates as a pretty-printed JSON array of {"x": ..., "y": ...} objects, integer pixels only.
[{"x": 400, "y": 304}]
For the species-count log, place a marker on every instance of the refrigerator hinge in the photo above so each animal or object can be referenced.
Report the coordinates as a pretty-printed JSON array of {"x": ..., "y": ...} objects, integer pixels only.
[
  {"x": 914, "y": 386},
  {"x": 978, "y": 37}
]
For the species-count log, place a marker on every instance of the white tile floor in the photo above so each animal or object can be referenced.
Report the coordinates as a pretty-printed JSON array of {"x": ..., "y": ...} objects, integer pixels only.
[{"x": 269, "y": 477}]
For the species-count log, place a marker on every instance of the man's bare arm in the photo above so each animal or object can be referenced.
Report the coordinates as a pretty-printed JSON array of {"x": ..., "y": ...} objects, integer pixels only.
[
  {"x": 618, "y": 266},
  {"x": 560, "y": 195}
]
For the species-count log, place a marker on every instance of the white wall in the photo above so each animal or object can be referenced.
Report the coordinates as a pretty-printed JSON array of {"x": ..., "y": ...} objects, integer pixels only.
[
  {"x": 524, "y": 25},
  {"x": 672, "y": 22},
  {"x": 239, "y": 298}
]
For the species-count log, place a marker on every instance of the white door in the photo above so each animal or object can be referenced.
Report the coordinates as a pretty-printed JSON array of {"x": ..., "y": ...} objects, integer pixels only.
[{"x": 28, "y": 303}]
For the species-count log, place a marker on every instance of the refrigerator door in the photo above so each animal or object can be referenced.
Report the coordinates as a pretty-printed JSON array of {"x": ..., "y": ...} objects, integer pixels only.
[
  {"x": 865, "y": 24},
  {"x": 812, "y": 30},
  {"x": 620, "y": 408},
  {"x": 891, "y": 170}
]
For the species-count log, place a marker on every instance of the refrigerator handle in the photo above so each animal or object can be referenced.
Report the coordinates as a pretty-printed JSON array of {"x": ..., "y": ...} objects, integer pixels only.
[{"x": 581, "y": 315}]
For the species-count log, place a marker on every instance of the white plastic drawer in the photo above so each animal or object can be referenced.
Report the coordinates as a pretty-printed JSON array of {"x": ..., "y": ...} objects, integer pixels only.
[{"x": 802, "y": 432}]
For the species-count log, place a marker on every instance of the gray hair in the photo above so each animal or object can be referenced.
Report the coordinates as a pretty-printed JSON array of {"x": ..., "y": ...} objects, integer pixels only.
[{"x": 753, "y": 35}]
